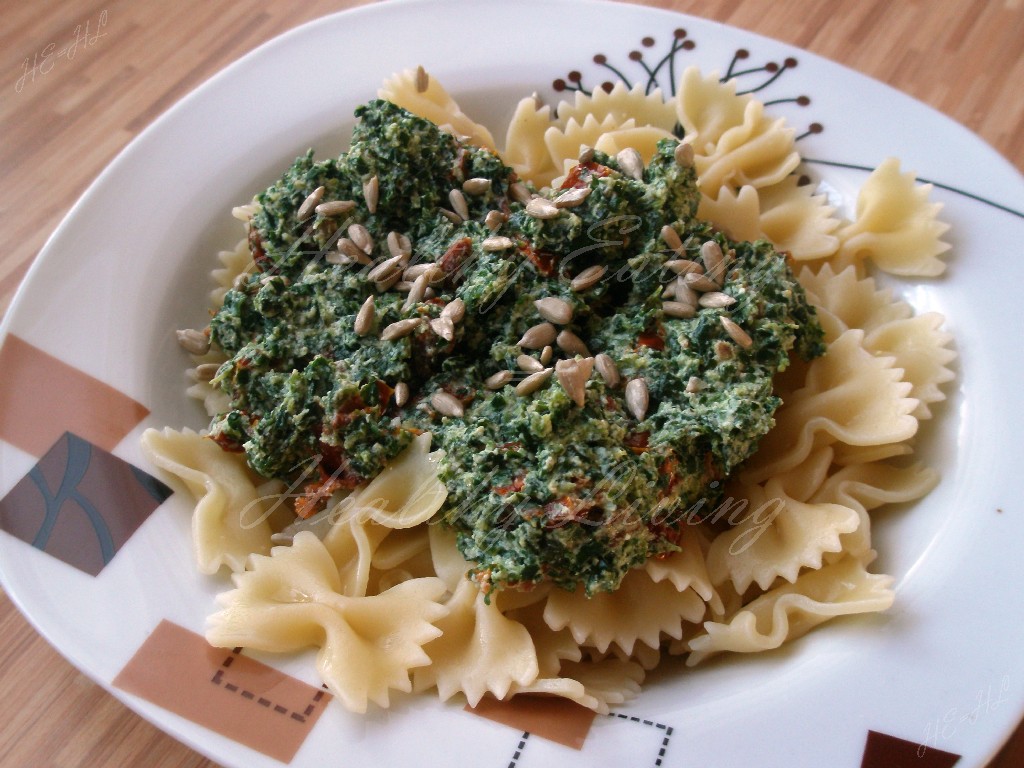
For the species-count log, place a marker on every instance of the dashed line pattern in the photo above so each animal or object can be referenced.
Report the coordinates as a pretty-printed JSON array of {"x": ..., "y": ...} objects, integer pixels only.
[{"x": 218, "y": 679}]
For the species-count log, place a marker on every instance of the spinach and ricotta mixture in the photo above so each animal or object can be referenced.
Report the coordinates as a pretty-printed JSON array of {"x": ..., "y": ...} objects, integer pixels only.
[{"x": 592, "y": 359}]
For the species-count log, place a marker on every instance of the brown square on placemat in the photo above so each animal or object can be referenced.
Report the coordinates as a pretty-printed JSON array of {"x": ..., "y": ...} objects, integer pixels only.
[
  {"x": 220, "y": 689},
  {"x": 41, "y": 398},
  {"x": 550, "y": 717},
  {"x": 80, "y": 503}
]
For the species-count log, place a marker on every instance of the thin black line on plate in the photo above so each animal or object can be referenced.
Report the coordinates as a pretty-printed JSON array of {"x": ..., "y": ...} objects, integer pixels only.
[{"x": 939, "y": 184}]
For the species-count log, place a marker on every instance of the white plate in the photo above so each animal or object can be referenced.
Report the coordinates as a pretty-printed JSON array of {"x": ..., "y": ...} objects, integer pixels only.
[{"x": 131, "y": 262}]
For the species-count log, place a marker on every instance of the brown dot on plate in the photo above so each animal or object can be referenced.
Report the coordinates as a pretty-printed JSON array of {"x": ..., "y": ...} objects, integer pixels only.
[
  {"x": 771, "y": 66},
  {"x": 679, "y": 33},
  {"x": 575, "y": 76},
  {"x": 558, "y": 85},
  {"x": 803, "y": 181},
  {"x": 635, "y": 55},
  {"x": 742, "y": 53},
  {"x": 600, "y": 58},
  {"x": 689, "y": 45},
  {"x": 803, "y": 101},
  {"x": 607, "y": 86},
  {"x": 815, "y": 128},
  {"x": 790, "y": 62},
  {"x": 647, "y": 42}
]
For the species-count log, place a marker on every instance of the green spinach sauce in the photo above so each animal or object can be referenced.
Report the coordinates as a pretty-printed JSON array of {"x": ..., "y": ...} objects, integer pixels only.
[{"x": 540, "y": 487}]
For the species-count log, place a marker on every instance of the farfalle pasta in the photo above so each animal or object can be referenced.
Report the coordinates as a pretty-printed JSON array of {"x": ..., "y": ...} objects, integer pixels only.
[{"x": 370, "y": 574}]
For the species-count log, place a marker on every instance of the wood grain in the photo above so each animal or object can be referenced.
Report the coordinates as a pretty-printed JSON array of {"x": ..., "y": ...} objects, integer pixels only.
[{"x": 61, "y": 127}]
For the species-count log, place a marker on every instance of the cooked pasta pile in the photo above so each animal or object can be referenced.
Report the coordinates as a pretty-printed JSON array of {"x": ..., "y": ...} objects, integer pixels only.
[{"x": 382, "y": 592}]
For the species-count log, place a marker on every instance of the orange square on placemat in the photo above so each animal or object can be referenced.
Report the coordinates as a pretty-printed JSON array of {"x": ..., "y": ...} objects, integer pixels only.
[
  {"x": 220, "y": 689},
  {"x": 41, "y": 398}
]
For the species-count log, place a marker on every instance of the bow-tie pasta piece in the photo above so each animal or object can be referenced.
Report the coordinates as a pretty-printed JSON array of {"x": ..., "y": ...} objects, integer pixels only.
[
  {"x": 422, "y": 94},
  {"x": 789, "y": 611},
  {"x": 622, "y": 104},
  {"x": 798, "y": 221},
  {"x": 776, "y": 536},
  {"x": 895, "y": 226},
  {"x": 737, "y": 213},
  {"x": 759, "y": 152},
  {"x": 707, "y": 108},
  {"x": 525, "y": 149},
  {"x": 850, "y": 396},
  {"x": 845, "y": 300},
  {"x": 230, "y": 517},
  {"x": 640, "y": 609},
  {"x": 867, "y": 486},
  {"x": 291, "y": 600},
  {"x": 479, "y": 651}
]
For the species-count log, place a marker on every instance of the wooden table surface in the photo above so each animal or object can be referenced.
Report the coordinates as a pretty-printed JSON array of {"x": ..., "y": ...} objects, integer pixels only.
[{"x": 61, "y": 124}]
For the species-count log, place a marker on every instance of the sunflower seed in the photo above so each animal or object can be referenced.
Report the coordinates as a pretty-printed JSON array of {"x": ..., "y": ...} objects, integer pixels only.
[
  {"x": 386, "y": 269},
  {"x": 401, "y": 393},
  {"x": 353, "y": 251},
  {"x": 671, "y": 238},
  {"x": 335, "y": 207},
  {"x": 386, "y": 284},
  {"x": 684, "y": 294},
  {"x": 586, "y": 154},
  {"x": 360, "y": 235},
  {"x": 554, "y": 309},
  {"x": 569, "y": 375},
  {"x": 716, "y": 300},
  {"x": 400, "y": 329},
  {"x": 443, "y": 327},
  {"x": 371, "y": 193},
  {"x": 700, "y": 283},
  {"x": 533, "y": 382},
  {"x": 637, "y": 398},
  {"x": 588, "y": 278},
  {"x": 399, "y": 244},
  {"x": 546, "y": 354},
  {"x": 310, "y": 203},
  {"x": 520, "y": 193},
  {"x": 455, "y": 310},
  {"x": 476, "y": 186},
  {"x": 571, "y": 197},
  {"x": 415, "y": 270},
  {"x": 458, "y": 201},
  {"x": 497, "y": 243},
  {"x": 572, "y": 344},
  {"x": 416, "y": 293},
  {"x": 206, "y": 371},
  {"x": 422, "y": 80},
  {"x": 542, "y": 208},
  {"x": 631, "y": 163},
  {"x": 694, "y": 384},
  {"x": 678, "y": 309},
  {"x": 494, "y": 220},
  {"x": 669, "y": 291},
  {"x": 240, "y": 280},
  {"x": 498, "y": 380},
  {"x": 737, "y": 334},
  {"x": 447, "y": 405},
  {"x": 684, "y": 267},
  {"x": 365, "y": 317},
  {"x": 340, "y": 259},
  {"x": 194, "y": 342},
  {"x": 608, "y": 370},
  {"x": 538, "y": 336},
  {"x": 529, "y": 364},
  {"x": 684, "y": 154},
  {"x": 714, "y": 261},
  {"x": 452, "y": 216}
]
